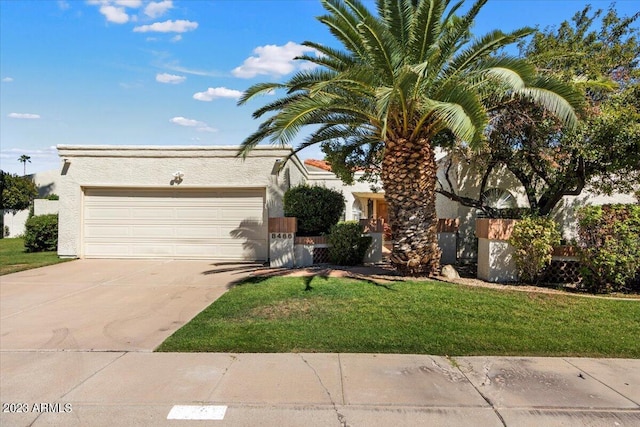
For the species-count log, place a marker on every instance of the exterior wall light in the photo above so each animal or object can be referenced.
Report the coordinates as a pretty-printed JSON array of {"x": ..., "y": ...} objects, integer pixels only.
[{"x": 177, "y": 176}]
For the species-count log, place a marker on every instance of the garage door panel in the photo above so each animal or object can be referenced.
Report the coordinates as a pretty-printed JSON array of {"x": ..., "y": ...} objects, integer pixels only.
[
  {"x": 147, "y": 223},
  {"x": 106, "y": 231},
  {"x": 152, "y": 213},
  {"x": 100, "y": 213}
]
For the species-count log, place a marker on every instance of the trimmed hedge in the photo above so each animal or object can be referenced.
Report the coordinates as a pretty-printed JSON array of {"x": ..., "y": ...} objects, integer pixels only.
[
  {"x": 609, "y": 242},
  {"x": 347, "y": 244},
  {"x": 317, "y": 208},
  {"x": 41, "y": 233}
]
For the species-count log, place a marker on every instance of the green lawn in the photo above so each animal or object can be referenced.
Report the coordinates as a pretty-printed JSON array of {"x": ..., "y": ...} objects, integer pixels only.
[
  {"x": 14, "y": 258},
  {"x": 340, "y": 315}
]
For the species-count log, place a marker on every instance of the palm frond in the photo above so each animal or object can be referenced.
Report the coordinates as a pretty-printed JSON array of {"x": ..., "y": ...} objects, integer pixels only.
[
  {"x": 265, "y": 130},
  {"x": 258, "y": 89},
  {"x": 425, "y": 28},
  {"x": 383, "y": 51},
  {"x": 559, "y": 98},
  {"x": 343, "y": 21},
  {"x": 460, "y": 110},
  {"x": 397, "y": 16},
  {"x": 482, "y": 48}
]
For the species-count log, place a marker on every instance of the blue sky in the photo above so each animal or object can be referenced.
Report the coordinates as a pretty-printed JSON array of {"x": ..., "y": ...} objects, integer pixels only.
[{"x": 167, "y": 72}]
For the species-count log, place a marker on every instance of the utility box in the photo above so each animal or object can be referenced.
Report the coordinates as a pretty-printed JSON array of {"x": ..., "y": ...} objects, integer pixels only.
[{"x": 282, "y": 233}]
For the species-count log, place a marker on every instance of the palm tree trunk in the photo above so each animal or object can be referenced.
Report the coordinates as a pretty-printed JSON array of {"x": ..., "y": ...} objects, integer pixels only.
[{"x": 409, "y": 179}]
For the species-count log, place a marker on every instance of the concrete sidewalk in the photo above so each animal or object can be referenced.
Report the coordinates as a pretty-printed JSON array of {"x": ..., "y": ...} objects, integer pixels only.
[{"x": 143, "y": 388}]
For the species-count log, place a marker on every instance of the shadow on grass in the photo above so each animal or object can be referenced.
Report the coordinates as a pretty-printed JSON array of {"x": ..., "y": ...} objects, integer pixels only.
[
  {"x": 241, "y": 269},
  {"x": 308, "y": 275}
]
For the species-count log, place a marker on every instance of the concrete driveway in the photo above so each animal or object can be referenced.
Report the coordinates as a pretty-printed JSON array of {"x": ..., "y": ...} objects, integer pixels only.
[{"x": 123, "y": 305}]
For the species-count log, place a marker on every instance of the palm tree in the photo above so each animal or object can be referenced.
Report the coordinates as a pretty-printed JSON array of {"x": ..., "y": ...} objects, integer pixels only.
[
  {"x": 406, "y": 76},
  {"x": 24, "y": 159}
]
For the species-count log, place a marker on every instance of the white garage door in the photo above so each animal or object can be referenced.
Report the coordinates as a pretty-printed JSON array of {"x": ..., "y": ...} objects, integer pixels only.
[{"x": 224, "y": 224}]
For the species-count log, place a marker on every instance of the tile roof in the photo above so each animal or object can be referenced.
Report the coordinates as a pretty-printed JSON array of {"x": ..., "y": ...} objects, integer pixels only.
[{"x": 320, "y": 164}]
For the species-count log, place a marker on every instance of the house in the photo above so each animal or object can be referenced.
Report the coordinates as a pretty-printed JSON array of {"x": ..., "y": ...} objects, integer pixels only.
[
  {"x": 171, "y": 202},
  {"x": 204, "y": 202}
]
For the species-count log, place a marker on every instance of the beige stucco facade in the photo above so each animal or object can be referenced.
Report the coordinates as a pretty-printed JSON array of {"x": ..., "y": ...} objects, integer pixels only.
[
  {"x": 261, "y": 172},
  {"x": 155, "y": 167}
]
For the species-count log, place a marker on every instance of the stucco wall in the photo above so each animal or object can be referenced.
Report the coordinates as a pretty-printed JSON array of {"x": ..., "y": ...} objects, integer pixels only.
[
  {"x": 15, "y": 222},
  {"x": 467, "y": 181},
  {"x": 154, "y": 166}
]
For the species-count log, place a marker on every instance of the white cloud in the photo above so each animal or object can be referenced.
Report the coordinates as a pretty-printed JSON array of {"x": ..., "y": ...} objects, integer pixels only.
[
  {"x": 7, "y": 79},
  {"x": 173, "y": 66},
  {"x": 115, "y": 10},
  {"x": 198, "y": 125},
  {"x": 179, "y": 26},
  {"x": 63, "y": 5},
  {"x": 156, "y": 9},
  {"x": 217, "y": 92},
  {"x": 114, "y": 14},
  {"x": 28, "y": 116},
  {"x": 273, "y": 60},
  {"x": 170, "y": 78},
  {"x": 134, "y": 4},
  {"x": 176, "y": 38}
]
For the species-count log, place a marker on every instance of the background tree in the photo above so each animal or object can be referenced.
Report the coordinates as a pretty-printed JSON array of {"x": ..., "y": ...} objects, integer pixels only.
[
  {"x": 404, "y": 76},
  {"x": 24, "y": 159},
  {"x": 549, "y": 160},
  {"x": 17, "y": 192}
]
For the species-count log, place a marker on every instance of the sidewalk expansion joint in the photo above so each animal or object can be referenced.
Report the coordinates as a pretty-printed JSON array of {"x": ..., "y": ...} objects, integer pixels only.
[
  {"x": 79, "y": 384},
  {"x": 603, "y": 383},
  {"x": 233, "y": 358},
  {"x": 95, "y": 373},
  {"x": 341, "y": 418},
  {"x": 486, "y": 399}
]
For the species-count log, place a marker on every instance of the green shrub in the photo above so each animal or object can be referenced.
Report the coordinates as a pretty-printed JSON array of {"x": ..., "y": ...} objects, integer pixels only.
[
  {"x": 317, "y": 208},
  {"x": 52, "y": 196},
  {"x": 347, "y": 244},
  {"x": 41, "y": 233},
  {"x": 609, "y": 242},
  {"x": 533, "y": 240}
]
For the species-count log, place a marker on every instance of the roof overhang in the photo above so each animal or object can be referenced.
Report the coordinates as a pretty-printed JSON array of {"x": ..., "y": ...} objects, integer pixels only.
[{"x": 369, "y": 195}]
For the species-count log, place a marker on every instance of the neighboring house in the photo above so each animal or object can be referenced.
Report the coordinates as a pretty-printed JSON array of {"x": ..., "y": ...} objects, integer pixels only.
[
  {"x": 47, "y": 183},
  {"x": 204, "y": 202},
  {"x": 502, "y": 191}
]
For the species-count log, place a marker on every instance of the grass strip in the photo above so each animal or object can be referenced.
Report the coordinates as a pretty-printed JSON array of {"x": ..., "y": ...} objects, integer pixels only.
[{"x": 349, "y": 316}]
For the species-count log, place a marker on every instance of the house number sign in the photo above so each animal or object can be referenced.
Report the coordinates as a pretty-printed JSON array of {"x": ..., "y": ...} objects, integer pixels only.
[{"x": 282, "y": 235}]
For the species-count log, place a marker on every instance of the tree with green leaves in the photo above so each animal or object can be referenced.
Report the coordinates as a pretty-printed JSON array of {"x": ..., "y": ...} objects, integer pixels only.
[
  {"x": 17, "y": 192},
  {"x": 404, "y": 76},
  {"x": 24, "y": 159},
  {"x": 549, "y": 160}
]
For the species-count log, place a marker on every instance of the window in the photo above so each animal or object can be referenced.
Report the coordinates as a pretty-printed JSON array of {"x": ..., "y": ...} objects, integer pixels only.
[
  {"x": 356, "y": 210},
  {"x": 498, "y": 198}
]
